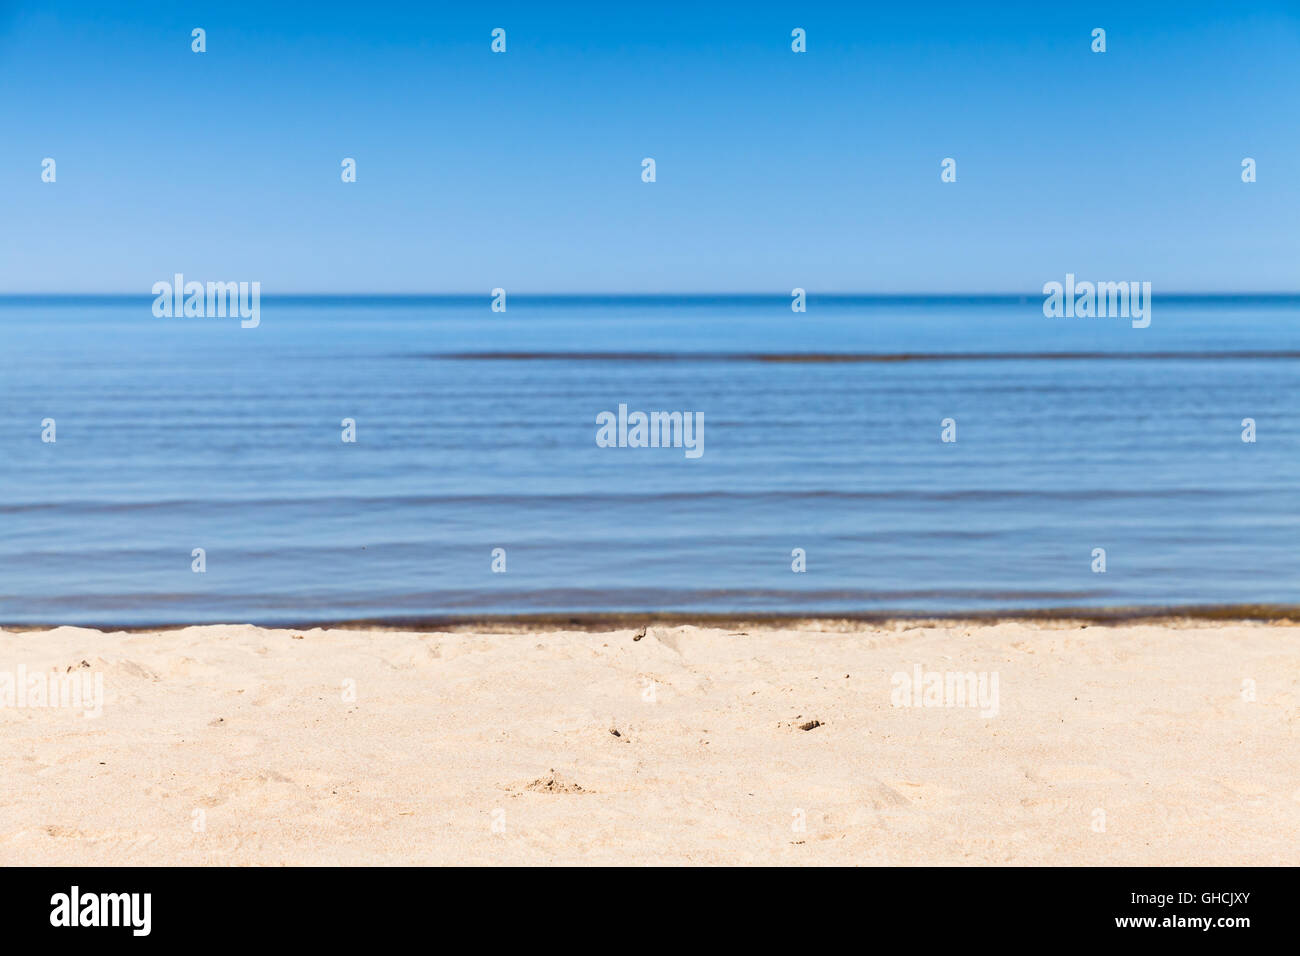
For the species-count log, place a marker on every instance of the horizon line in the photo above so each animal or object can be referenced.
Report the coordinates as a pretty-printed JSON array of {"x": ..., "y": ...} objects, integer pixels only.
[{"x": 525, "y": 294}]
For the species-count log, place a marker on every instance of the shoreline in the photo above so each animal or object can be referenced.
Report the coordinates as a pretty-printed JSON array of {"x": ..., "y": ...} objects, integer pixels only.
[{"x": 1280, "y": 615}]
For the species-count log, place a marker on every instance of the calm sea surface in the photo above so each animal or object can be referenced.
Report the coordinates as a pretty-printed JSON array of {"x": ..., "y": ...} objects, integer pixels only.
[{"x": 176, "y": 434}]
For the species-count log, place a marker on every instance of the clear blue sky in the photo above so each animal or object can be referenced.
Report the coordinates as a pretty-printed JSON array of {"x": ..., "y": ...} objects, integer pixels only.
[{"x": 775, "y": 170}]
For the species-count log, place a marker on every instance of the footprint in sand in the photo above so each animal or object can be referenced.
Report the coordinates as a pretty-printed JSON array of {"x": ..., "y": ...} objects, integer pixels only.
[
  {"x": 134, "y": 669},
  {"x": 1075, "y": 773},
  {"x": 926, "y": 796},
  {"x": 882, "y": 796},
  {"x": 239, "y": 786}
]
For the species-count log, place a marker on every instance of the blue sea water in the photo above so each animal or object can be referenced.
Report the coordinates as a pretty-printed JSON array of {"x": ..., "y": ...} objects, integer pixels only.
[{"x": 1072, "y": 434}]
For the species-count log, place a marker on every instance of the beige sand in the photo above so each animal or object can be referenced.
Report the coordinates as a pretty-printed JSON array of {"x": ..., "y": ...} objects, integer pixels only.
[{"x": 235, "y": 745}]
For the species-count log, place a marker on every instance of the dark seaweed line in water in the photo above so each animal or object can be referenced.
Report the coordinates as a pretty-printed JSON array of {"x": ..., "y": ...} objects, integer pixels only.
[
  {"x": 640, "y": 497},
  {"x": 851, "y": 357}
]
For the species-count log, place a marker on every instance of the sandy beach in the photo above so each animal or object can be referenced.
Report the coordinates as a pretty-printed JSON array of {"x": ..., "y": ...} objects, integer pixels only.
[{"x": 1163, "y": 743}]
